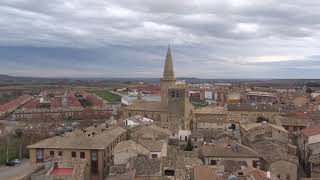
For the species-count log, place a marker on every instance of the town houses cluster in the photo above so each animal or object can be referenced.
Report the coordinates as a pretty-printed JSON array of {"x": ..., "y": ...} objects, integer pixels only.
[{"x": 194, "y": 131}]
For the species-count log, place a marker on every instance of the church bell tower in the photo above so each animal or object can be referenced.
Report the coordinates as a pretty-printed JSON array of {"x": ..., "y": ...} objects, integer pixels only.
[{"x": 168, "y": 80}]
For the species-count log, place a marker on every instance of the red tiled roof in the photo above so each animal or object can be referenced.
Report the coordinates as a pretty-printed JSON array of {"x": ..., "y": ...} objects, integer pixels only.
[
  {"x": 73, "y": 101},
  {"x": 11, "y": 105},
  {"x": 61, "y": 172},
  {"x": 302, "y": 115},
  {"x": 310, "y": 131},
  {"x": 94, "y": 101},
  {"x": 150, "y": 89},
  {"x": 31, "y": 104},
  {"x": 55, "y": 103},
  {"x": 258, "y": 174}
]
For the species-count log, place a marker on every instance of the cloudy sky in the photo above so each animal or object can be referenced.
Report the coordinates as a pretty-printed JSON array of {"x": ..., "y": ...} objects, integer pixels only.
[{"x": 129, "y": 38}]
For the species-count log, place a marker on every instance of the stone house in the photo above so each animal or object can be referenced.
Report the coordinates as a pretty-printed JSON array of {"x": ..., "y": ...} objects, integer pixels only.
[
  {"x": 128, "y": 149},
  {"x": 291, "y": 124},
  {"x": 308, "y": 146},
  {"x": 215, "y": 154},
  {"x": 213, "y": 117},
  {"x": 278, "y": 158},
  {"x": 252, "y": 132},
  {"x": 246, "y": 112},
  {"x": 93, "y": 144}
]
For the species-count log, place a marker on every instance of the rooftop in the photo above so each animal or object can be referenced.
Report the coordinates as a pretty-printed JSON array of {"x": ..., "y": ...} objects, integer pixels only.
[
  {"x": 272, "y": 151},
  {"x": 311, "y": 131},
  {"x": 253, "y": 107},
  {"x": 291, "y": 121},
  {"x": 130, "y": 144},
  {"x": 61, "y": 172},
  {"x": 13, "y": 104},
  {"x": 146, "y": 106},
  {"x": 250, "y": 126},
  {"x": 91, "y": 138},
  {"x": 145, "y": 166},
  {"x": 229, "y": 148},
  {"x": 152, "y": 145},
  {"x": 204, "y": 173},
  {"x": 208, "y": 133},
  {"x": 211, "y": 110}
]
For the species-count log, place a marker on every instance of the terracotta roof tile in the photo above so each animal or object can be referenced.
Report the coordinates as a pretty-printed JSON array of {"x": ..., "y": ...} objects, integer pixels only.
[
  {"x": 204, "y": 173},
  {"x": 310, "y": 131}
]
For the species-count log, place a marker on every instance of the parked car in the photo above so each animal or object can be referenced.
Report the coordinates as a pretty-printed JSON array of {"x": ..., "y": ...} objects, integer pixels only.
[
  {"x": 16, "y": 161},
  {"x": 10, "y": 163},
  {"x": 13, "y": 162}
]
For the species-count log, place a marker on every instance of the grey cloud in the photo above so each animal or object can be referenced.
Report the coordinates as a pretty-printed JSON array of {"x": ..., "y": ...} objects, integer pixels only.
[{"x": 210, "y": 35}]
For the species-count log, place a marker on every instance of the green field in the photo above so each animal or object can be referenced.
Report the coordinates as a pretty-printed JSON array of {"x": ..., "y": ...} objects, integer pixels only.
[{"x": 108, "y": 96}]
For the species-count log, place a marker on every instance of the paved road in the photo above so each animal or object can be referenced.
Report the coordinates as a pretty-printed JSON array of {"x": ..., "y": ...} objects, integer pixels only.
[{"x": 14, "y": 172}]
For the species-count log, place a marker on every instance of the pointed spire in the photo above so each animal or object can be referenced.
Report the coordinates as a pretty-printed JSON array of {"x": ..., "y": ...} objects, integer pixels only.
[{"x": 168, "y": 67}]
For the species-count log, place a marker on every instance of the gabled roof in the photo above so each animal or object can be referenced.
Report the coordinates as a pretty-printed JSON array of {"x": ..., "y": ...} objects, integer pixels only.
[
  {"x": 130, "y": 145},
  {"x": 93, "y": 139},
  {"x": 230, "y": 149},
  {"x": 273, "y": 151},
  {"x": 152, "y": 145},
  {"x": 146, "y": 106}
]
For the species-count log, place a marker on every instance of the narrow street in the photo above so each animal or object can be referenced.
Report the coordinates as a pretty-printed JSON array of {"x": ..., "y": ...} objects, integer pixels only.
[{"x": 14, "y": 172}]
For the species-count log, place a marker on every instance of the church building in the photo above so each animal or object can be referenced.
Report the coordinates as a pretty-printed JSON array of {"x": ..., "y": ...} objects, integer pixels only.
[{"x": 174, "y": 111}]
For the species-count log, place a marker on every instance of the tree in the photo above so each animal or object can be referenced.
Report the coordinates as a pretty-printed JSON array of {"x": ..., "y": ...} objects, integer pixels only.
[
  {"x": 260, "y": 119},
  {"x": 19, "y": 132},
  {"x": 189, "y": 146},
  {"x": 309, "y": 90}
]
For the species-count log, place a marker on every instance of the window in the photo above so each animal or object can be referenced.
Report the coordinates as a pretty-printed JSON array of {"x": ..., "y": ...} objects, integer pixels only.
[
  {"x": 172, "y": 94},
  {"x": 40, "y": 156},
  {"x": 213, "y": 162},
  {"x": 82, "y": 155},
  {"x": 240, "y": 173},
  {"x": 60, "y": 153},
  {"x": 94, "y": 156},
  {"x": 73, "y": 154},
  {"x": 154, "y": 156},
  {"x": 169, "y": 172},
  {"x": 177, "y": 93},
  {"x": 279, "y": 176},
  {"x": 51, "y": 154}
]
